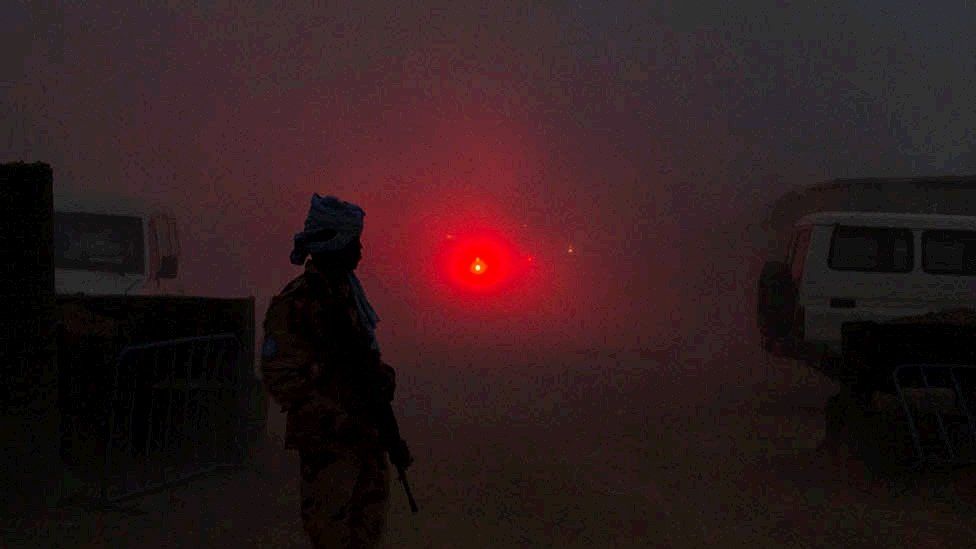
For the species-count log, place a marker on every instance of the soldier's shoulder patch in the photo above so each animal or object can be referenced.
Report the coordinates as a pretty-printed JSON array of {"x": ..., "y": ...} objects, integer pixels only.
[{"x": 269, "y": 349}]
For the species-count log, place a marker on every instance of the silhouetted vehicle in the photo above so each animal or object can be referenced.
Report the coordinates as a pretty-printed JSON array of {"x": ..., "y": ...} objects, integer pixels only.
[{"x": 845, "y": 269}]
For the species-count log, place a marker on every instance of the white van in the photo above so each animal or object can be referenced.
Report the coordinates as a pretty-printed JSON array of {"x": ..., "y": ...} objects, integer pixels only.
[{"x": 847, "y": 267}]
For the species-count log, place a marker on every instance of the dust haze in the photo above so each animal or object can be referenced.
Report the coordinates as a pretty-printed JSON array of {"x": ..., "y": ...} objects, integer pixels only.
[{"x": 649, "y": 138}]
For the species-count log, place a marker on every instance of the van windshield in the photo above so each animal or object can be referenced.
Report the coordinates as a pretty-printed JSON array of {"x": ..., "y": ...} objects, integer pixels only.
[
  {"x": 949, "y": 252},
  {"x": 871, "y": 249},
  {"x": 97, "y": 242}
]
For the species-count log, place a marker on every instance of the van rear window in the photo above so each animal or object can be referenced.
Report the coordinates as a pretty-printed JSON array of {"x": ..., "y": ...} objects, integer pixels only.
[
  {"x": 871, "y": 249},
  {"x": 949, "y": 252},
  {"x": 96, "y": 242}
]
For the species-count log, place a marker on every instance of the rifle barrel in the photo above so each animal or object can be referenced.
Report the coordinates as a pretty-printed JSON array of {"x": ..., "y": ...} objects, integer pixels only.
[{"x": 406, "y": 488}]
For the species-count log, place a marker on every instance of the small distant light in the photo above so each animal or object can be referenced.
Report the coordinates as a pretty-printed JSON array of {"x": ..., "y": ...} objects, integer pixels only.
[
  {"x": 570, "y": 250},
  {"x": 449, "y": 236}
]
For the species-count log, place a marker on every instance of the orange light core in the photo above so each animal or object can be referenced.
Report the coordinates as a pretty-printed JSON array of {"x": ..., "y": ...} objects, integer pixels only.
[{"x": 478, "y": 266}]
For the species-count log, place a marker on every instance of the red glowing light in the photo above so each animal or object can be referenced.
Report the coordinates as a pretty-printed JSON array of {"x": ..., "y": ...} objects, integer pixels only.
[
  {"x": 479, "y": 262},
  {"x": 478, "y": 266}
]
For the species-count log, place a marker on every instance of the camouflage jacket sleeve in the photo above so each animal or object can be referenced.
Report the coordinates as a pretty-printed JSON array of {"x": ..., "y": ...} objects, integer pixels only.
[{"x": 287, "y": 358}]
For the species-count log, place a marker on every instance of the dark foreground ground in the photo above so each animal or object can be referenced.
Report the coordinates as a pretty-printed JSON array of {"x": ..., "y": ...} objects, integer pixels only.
[{"x": 595, "y": 451}]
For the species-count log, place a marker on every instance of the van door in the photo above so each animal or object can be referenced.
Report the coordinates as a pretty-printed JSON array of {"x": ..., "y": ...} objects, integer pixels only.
[
  {"x": 949, "y": 267},
  {"x": 858, "y": 274}
]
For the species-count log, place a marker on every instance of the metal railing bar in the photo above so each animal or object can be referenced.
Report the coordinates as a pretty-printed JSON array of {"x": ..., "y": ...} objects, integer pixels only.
[
  {"x": 178, "y": 452},
  {"x": 110, "y": 408},
  {"x": 938, "y": 417},
  {"x": 197, "y": 437},
  {"x": 916, "y": 439},
  {"x": 181, "y": 341},
  {"x": 212, "y": 408},
  {"x": 150, "y": 430},
  {"x": 186, "y": 393},
  {"x": 963, "y": 403},
  {"x": 164, "y": 449}
]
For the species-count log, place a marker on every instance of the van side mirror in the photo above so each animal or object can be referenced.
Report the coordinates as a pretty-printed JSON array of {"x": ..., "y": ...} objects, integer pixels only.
[
  {"x": 164, "y": 246},
  {"x": 168, "y": 267}
]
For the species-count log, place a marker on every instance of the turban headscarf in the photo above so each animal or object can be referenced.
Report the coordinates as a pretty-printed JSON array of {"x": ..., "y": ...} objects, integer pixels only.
[{"x": 327, "y": 215}]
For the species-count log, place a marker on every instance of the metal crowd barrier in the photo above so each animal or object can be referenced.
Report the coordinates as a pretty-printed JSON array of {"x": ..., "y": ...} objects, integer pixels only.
[
  {"x": 174, "y": 412},
  {"x": 939, "y": 401}
]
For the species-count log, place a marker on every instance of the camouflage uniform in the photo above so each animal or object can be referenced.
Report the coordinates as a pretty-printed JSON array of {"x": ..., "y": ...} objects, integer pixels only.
[{"x": 318, "y": 364}]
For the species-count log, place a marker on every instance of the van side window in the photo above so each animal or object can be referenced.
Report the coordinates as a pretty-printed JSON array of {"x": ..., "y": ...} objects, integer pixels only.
[
  {"x": 798, "y": 253},
  {"x": 871, "y": 249},
  {"x": 949, "y": 252},
  {"x": 97, "y": 242}
]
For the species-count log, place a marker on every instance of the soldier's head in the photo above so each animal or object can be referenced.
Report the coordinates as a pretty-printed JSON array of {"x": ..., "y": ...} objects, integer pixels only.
[
  {"x": 332, "y": 234},
  {"x": 345, "y": 259}
]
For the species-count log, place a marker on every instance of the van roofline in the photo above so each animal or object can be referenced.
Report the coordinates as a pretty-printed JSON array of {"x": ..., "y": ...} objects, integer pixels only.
[
  {"x": 952, "y": 181},
  {"x": 891, "y": 219}
]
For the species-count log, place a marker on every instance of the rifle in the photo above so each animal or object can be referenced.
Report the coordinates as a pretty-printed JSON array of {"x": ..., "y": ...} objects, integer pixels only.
[
  {"x": 402, "y": 472},
  {"x": 396, "y": 447}
]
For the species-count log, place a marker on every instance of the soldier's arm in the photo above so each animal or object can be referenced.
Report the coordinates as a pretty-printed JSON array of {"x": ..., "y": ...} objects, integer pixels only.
[
  {"x": 349, "y": 346},
  {"x": 288, "y": 358}
]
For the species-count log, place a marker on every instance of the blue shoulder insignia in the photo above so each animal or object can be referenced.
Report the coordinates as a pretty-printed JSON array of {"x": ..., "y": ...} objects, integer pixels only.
[{"x": 269, "y": 349}]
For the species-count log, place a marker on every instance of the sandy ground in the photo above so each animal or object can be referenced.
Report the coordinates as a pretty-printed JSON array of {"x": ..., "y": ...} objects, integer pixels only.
[{"x": 599, "y": 451}]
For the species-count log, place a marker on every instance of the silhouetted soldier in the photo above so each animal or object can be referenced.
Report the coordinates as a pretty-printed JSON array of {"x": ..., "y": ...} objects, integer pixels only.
[{"x": 321, "y": 363}]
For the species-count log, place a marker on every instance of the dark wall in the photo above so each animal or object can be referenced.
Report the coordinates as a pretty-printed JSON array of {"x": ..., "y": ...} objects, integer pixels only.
[
  {"x": 144, "y": 319},
  {"x": 28, "y": 381}
]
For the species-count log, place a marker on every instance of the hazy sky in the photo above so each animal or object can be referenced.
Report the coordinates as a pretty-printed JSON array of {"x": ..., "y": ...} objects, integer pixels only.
[{"x": 638, "y": 132}]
